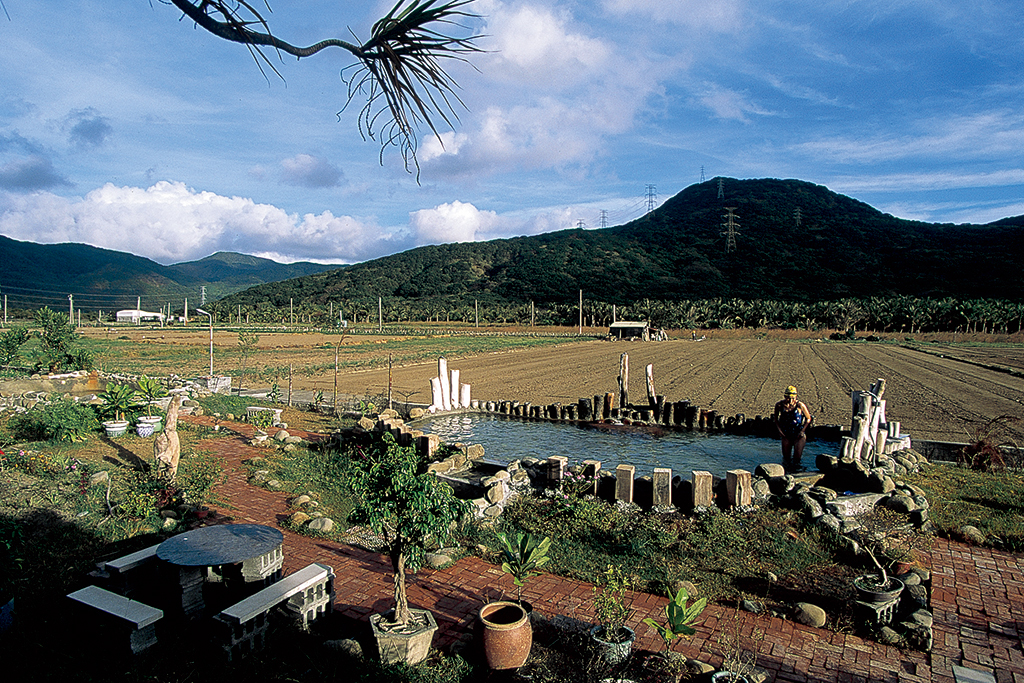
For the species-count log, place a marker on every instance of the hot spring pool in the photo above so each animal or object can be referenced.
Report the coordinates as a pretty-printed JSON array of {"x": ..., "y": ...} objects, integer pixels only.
[{"x": 505, "y": 439}]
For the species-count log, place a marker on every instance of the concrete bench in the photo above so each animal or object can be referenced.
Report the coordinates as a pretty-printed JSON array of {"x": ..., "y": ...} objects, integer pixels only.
[
  {"x": 140, "y": 619},
  {"x": 307, "y": 594},
  {"x": 133, "y": 575}
]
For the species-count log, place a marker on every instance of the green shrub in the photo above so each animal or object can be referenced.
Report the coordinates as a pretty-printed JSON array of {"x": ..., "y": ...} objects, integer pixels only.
[{"x": 63, "y": 420}]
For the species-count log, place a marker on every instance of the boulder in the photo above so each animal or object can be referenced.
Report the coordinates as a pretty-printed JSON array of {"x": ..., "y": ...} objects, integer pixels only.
[
  {"x": 322, "y": 524},
  {"x": 298, "y": 518},
  {"x": 809, "y": 614}
]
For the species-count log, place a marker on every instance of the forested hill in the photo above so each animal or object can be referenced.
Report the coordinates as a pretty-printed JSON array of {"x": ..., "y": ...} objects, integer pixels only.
[
  {"x": 794, "y": 241},
  {"x": 34, "y": 275}
]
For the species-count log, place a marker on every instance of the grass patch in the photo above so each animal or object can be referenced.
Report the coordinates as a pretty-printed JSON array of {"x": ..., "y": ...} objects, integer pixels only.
[{"x": 991, "y": 501}]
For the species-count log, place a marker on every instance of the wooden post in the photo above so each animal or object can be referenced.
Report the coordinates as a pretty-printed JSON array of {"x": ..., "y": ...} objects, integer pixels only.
[
  {"x": 337, "y": 349},
  {"x": 624, "y": 475},
  {"x": 592, "y": 469},
  {"x": 623, "y": 380},
  {"x": 586, "y": 410},
  {"x": 289, "y": 386},
  {"x": 652, "y": 397},
  {"x": 740, "y": 488},
  {"x": 389, "y": 381},
  {"x": 556, "y": 469},
  {"x": 662, "y": 487},
  {"x": 609, "y": 398},
  {"x": 703, "y": 492}
]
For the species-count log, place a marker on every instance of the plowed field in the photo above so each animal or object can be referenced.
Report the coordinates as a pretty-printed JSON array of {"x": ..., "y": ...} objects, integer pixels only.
[{"x": 935, "y": 396}]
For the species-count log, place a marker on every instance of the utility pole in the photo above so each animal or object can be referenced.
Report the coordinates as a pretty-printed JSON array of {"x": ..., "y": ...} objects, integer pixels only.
[
  {"x": 71, "y": 309},
  {"x": 581, "y": 312},
  {"x": 730, "y": 229}
]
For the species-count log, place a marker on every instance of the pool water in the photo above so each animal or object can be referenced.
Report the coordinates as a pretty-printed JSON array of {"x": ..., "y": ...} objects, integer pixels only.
[{"x": 506, "y": 439}]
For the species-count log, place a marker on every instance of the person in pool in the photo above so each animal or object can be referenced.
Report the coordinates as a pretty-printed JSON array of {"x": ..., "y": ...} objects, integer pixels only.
[{"x": 792, "y": 420}]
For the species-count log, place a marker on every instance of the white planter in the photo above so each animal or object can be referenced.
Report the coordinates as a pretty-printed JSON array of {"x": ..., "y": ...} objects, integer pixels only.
[
  {"x": 410, "y": 646},
  {"x": 116, "y": 427}
]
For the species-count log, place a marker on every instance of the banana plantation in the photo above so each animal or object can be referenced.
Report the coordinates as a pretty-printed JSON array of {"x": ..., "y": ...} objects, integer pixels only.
[{"x": 902, "y": 314}]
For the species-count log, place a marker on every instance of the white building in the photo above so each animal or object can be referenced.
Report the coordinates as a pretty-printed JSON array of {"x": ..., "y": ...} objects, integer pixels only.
[{"x": 134, "y": 315}]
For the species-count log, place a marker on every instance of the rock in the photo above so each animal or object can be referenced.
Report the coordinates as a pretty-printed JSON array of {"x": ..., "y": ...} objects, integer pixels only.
[
  {"x": 910, "y": 579},
  {"x": 918, "y": 635},
  {"x": 437, "y": 560},
  {"x": 298, "y": 518},
  {"x": 752, "y": 606},
  {"x": 416, "y": 413},
  {"x": 230, "y": 417},
  {"x": 300, "y": 500},
  {"x": 346, "y": 646},
  {"x": 900, "y": 502},
  {"x": 769, "y": 470},
  {"x": 289, "y": 448},
  {"x": 322, "y": 524},
  {"x": 101, "y": 477},
  {"x": 699, "y": 668},
  {"x": 281, "y": 435},
  {"x": 809, "y": 615},
  {"x": 888, "y": 636},
  {"x": 169, "y": 514},
  {"x": 916, "y": 596},
  {"x": 273, "y": 484},
  {"x": 691, "y": 589},
  {"x": 972, "y": 534},
  {"x": 475, "y": 451},
  {"x": 771, "y": 577},
  {"x": 923, "y": 617},
  {"x": 169, "y": 523}
]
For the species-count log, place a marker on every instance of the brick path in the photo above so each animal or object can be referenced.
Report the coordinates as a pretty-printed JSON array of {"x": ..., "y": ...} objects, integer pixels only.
[{"x": 977, "y": 599}]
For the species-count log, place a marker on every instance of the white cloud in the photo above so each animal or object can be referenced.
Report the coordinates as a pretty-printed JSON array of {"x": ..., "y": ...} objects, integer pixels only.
[
  {"x": 724, "y": 16},
  {"x": 454, "y": 222},
  {"x": 170, "y": 222},
  {"x": 306, "y": 170},
  {"x": 726, "y": 103}
]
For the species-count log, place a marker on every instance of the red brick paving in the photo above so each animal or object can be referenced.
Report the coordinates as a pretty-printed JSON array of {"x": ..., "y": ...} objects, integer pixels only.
[{"x": 977, "y": 600}]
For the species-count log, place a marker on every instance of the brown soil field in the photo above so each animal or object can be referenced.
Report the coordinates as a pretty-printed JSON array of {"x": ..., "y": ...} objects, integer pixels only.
[{"x": 938, "y": 391}]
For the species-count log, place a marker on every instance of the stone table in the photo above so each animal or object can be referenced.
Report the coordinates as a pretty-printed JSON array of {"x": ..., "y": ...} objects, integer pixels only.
[{"x": 250, "y": 554}]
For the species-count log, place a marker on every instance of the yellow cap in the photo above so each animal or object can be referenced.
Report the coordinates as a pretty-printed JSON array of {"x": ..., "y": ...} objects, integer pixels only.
[{"x": 790, "y": 390}]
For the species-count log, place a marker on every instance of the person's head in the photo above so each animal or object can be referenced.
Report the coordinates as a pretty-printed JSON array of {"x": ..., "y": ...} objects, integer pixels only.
[{"x": 790, "y": 393}]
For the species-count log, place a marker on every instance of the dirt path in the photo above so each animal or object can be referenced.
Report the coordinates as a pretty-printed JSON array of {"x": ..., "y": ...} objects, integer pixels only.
[{"x": 934, "y": 397}]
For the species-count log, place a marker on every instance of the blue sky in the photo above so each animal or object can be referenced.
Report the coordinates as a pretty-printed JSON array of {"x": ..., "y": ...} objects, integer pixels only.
[{"x": 124, "y": 127}]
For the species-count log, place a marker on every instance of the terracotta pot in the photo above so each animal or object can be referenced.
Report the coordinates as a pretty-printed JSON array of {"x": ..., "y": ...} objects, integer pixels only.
[{"x": 507, "y": 635}]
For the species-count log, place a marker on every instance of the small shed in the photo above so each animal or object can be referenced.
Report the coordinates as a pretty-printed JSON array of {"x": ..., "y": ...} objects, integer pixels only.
[
  {"x": 134, "y": 315},
  {"x": 630, "y": 330}
]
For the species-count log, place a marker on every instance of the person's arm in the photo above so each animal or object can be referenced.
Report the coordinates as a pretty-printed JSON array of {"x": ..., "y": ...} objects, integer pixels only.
[
  {"x": 775, "y": 419},
  {"x": 807, "y": 417}
]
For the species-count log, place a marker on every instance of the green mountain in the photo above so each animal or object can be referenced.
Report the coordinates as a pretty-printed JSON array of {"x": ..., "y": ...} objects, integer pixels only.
[
  {"x": 34, "y": 275},
  {"x": 793, "y": 241}
]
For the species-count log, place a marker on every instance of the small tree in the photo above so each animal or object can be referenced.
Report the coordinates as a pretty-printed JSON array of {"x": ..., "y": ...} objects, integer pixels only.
[
  {"x": 56, "y": 337},
  {"x": 405, "y": 505},
  {"x": 11, "y": 342},
  {"x": 151, "y": 389},
  {"x": 247, "y": 345},
  {"x": 523, "y": 555}
]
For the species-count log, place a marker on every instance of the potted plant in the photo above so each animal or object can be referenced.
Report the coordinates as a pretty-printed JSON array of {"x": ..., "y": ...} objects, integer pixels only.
[
  {"x": 881, "y": 531},
  {"x": 150, "y": 389},
  {"x": 613, "y": 639},
  {"x": 117, "y": 400},
  {"x": 407, "y": 507},
  {"x": 679, "y": 619},
  {"x": 523, "y": 555}
]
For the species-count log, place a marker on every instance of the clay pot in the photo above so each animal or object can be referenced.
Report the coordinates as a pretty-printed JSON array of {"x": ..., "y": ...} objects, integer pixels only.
[{"x": 507, "y": 635}]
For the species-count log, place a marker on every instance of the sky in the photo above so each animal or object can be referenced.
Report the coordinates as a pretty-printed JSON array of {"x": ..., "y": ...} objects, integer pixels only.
[{"x": 125, "y": 126}]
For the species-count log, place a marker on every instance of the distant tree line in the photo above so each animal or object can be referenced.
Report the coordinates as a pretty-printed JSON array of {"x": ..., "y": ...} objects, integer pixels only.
[{"x": 876, "y": 314}]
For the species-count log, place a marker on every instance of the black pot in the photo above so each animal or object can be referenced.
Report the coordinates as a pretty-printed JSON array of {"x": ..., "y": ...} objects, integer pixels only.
[{"x": 868, "y": 589}]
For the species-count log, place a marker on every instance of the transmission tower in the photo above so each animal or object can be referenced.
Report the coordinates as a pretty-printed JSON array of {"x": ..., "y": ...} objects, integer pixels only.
[
  {"x": 721, "y": 188},
  {"x": 702, "y": 178},
  {"x": 730, "y": 229},
  {"x": 604, "y": 218},
  {"x": 797, "y": 215},
  {"x": 581, "y": 224},
  {"x": 652, "y": 197},
  {"x": 202, "y": 295}
]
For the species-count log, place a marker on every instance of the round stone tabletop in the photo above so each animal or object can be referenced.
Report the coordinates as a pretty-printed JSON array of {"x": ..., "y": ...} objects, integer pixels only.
[{"x": 221, "y": 544}]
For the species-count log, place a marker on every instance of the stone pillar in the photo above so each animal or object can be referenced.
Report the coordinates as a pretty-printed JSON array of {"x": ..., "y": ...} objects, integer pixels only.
[
  {"x": 464, "y": 397},
  {"x": 556, "y": 469},
  {"x": 586, "y": 409},
  {"x": 609, "y": 399},
  {"x": 703, "y": 493},
  {"x": 666, "y": 413},
  {"x": 740, "y": 488},
  {"x": 592, "y": 469},
  {"x": 679, "y": 412},
  {"x": 442, "y": 377},
  {"x": 454, "y": 388},
  {"x": 436, "y": 400},
  {"x": 624, "y": 482},
  {"x": 662, "y": 495}
]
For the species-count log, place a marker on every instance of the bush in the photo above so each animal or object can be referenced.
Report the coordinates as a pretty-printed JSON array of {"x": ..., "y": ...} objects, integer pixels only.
[{"x": 62, "y": 420}]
